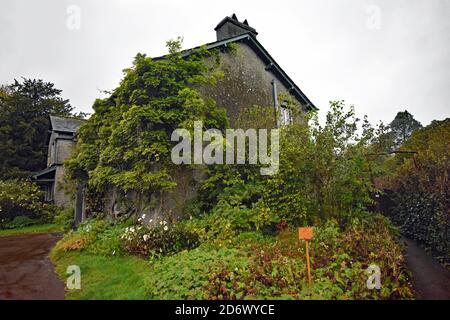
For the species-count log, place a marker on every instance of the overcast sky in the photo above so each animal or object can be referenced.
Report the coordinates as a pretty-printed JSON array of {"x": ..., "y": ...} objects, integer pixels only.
[{"x": 381, "y": 56}]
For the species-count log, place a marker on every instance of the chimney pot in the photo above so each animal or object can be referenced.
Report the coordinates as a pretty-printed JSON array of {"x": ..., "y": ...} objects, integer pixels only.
[{"x": 231, "y": 27}]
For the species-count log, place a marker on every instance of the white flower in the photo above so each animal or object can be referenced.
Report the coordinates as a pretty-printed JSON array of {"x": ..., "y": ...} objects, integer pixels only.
[
  {"x": 164, "y": 222},
  {"x": 146, "y": 237},
  {"x": 143, "y": 216},
  {"x": 160, "y": 222},
  {"x": 166, "y": 228},
  {"x": 150, "y": 221}
]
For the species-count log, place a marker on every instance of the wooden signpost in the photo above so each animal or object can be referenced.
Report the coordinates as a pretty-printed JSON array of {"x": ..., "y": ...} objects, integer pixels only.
[{"x": 307, "y": 234}]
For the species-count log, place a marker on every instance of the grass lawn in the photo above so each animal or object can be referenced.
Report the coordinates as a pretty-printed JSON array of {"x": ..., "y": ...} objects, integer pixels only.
[
  {"x": 104, "y": 278},
  {"x": 38, "y": 228}
]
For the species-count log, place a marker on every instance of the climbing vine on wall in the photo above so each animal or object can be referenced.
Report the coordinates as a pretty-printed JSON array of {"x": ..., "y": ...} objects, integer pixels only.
[{"x": 126, "y": 145}]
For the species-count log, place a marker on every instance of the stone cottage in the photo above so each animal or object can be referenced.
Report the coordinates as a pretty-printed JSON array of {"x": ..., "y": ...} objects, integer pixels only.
[
  {"x": 61, "y": 141},
  {"x": 251, "y": 77}
]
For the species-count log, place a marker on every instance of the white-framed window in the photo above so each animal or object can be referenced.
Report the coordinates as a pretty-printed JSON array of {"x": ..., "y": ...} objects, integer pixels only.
[{"x": 285, "y": 114}]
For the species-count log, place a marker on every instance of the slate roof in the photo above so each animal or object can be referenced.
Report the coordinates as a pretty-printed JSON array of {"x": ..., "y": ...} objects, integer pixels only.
[
  {"x": 50, "y": 170},
  {"x": 68, "y": 125}
]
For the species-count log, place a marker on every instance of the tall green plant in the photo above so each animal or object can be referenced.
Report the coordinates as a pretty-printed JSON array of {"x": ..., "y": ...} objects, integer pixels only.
[{"x": 126, "y": 144}]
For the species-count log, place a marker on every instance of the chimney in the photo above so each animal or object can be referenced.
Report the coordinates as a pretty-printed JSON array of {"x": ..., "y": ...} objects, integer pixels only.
[{"x": 230, "y": 27}]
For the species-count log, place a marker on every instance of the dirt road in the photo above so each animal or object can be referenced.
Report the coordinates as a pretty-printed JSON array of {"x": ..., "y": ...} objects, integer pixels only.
[
  {"x": 25, "y": 270},
  {"x": 430, "y": 279}
]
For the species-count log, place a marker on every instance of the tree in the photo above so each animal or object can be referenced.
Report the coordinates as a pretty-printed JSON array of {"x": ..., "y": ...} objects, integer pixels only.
[
  {"x": 421, "y": 188},
  {"x": 126, "y": 144},
  {"x": 25, "y": 107},
  {"x": 401, "y": 128}
]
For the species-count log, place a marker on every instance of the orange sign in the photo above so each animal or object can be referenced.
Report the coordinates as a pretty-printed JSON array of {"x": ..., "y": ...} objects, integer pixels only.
[{"x": 306, "y": 233}]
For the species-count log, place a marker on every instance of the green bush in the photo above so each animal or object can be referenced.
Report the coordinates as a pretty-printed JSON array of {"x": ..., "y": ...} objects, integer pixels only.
[
  {"x": 64, "y": 218},
  {"x": 186, "y": 274},
  {"x": 107, "y": 242},
  {"x": 94, "y": 236},
  {"x": 22, "y": 198},
  {"x": 422, "y": 216},
  {"x": 324, "y": 172},
  {"x": 340, "y": 257},
  {"x": 159, "y": 238},
  {"x": 19, "y": 222},
  {"x": 420, "y": 187},
  {"x": 256, "y": 266}
]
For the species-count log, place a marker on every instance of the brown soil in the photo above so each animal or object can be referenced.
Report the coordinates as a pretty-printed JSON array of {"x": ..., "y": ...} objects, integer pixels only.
[{"x": 26, "y": 273}]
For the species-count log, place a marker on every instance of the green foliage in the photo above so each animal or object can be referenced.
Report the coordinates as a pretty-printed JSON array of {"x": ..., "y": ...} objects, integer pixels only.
[
  {"x": 421, "y": 192},
  {"x": 126, "y": 144},
  {"x": 64, "y": 218},
  {"x": 97, "y": 236},
  {"x": 253, "y": 266},
  {"x": 184, "y": 275},
  {"x": 19, "y": 222},
  {"x": 401, "y": 129},
  {"x": 25, "y": 108},
  {"x": 325, "y": 172},
  {"x": 339, "y": 261},
  {"x": 22, "y": 198},
  {"x": 94, "y": 236},
  {"x": 158, "y": 238}
]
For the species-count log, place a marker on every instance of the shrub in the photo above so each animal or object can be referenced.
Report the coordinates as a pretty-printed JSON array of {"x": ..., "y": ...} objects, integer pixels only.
[
  {"x": 72, "y": 242},
  {"x": 256, "y": 266},
  {"x": 93, "y": 236},
  {"x": 339, "y": 258},
  {"x": 107, "y": 242},
  {"x": 19, "y": 222},
  {"x": 422, "y": 216},
  {"x": 22, "y": 198},
  {"x": 186, "y": 274},
  {"x": 159, "y": 238},
  {"x": 324, "y": 172},
  {"x": 64, "y": 218},
  {"x": 420, "y": 186}
]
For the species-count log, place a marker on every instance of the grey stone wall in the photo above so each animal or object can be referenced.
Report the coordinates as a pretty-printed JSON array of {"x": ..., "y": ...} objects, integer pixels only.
[
  {"x": 64, "y": 150},
  {"x": 60, "y": 148},
  {"x": 61, "y": 198},
  {"x": 51, "y": 150},
  {"x": 246, "y": 82}
]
